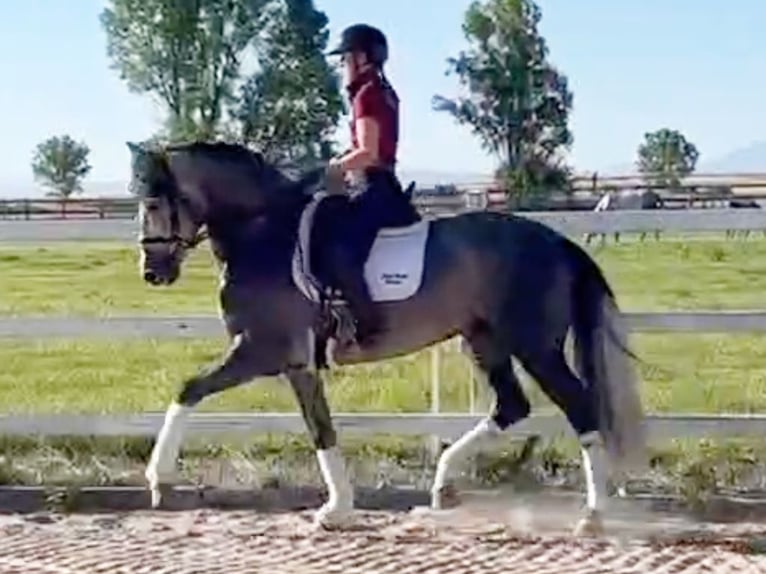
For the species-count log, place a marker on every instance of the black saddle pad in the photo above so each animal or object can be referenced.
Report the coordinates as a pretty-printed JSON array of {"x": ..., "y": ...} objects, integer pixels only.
[{"x": 324, "y": 226}]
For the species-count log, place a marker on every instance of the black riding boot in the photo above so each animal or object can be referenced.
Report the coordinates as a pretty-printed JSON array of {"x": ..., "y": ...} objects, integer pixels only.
[{"x": 350, "y": 278}]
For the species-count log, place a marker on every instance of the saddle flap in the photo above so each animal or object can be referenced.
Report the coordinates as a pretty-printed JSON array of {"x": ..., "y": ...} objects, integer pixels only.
[{"x": 393, "y": 269}]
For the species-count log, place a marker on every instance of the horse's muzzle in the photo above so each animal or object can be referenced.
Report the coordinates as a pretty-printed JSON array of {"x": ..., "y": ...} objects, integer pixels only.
[
  {"x": 151, "y": 277},
  {"x": 160, "y": 270}
]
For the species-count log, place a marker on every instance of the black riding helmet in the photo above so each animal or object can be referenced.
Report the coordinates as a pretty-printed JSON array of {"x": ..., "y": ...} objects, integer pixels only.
[{"x": 366, "y": 39}]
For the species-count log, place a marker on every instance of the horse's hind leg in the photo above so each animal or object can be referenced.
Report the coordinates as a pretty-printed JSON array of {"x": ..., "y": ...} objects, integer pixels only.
[
  {"x": 571, "y": 395},
  {"x": 511, "y": 406},
  {"x": 242, "y": 363}
]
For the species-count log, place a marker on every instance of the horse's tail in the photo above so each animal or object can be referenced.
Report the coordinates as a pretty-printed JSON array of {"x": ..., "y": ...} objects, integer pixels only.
[{"x": 605, "y": 362}]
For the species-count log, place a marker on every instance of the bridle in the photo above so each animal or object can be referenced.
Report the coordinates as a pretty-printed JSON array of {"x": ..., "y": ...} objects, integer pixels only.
[
  {"x": 169, "y": 190},
  {"x": 175, "y": 238}
]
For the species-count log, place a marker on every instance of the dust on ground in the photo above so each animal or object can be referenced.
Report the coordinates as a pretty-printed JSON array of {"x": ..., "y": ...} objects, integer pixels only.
[{"x": 490, "y": 532}]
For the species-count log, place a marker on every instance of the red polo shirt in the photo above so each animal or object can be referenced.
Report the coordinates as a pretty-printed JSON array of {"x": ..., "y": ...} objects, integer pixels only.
[{"x": 371, "y": 97}]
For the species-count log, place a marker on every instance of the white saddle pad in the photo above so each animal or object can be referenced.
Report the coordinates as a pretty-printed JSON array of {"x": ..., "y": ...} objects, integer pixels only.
[{"x": 394, "y": 267}]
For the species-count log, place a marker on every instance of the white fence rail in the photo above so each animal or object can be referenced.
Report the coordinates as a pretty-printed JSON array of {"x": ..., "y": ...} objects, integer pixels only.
[
  {"x": 208, "y": 326},
  {"x": 435, "y": 423},
  {"x": 445, "y": 425},
  {"x": 569, "y": 222}
]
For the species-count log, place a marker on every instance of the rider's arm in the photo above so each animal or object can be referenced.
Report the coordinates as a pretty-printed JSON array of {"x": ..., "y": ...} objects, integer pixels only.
[
  {"x": 366, "y": 154},
  {"x": 367, "y": 105}
]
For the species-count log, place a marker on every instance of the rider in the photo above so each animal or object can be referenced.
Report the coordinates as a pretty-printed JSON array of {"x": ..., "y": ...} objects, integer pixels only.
[{"x": 371, "y": 163}]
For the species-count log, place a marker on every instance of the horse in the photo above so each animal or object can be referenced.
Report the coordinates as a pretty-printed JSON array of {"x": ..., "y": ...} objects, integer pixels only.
[
  {"x": 510, "y": 286},
  {"x": 614, "y": 200}
]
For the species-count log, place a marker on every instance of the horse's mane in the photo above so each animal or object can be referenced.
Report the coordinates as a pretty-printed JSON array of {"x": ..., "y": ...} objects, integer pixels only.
[
  {"x": 240, "y": 155},
  {"x": 228, "y": 151}
]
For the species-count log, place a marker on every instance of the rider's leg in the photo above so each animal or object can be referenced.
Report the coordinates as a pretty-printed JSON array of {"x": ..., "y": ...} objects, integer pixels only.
[
  {"x": 348, "y": 267},
  {"x": 349, "y": 253}
]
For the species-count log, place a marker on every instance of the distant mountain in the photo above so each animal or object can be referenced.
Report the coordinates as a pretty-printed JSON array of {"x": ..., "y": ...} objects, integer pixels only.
[
  {"x": 430, "y": 178},
  {"x": 21, "y": 189},
  {"x": 423, "y": 178},
  {"x": 749, "y": 159}
]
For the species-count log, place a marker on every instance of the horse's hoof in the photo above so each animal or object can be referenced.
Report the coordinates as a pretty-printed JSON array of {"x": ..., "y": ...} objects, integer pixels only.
[
  {"x": 590, "y": 526},
  {"x": 444, "y": 498},
  {"x": 333, "y": 516},
  {"x": 159, "y": 493}
]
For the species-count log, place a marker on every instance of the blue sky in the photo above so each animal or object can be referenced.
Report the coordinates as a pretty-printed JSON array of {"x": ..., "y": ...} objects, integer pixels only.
[{"x": 634, "y": 65}]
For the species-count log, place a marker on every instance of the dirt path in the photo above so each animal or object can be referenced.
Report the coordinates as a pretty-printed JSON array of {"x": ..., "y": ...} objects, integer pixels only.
[{"x": 488, "y": 534}]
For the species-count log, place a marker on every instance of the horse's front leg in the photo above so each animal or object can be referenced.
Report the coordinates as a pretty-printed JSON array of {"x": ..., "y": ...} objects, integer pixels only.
[
  {"x": 309, "y": 390},
  {"x": 243, "y": 362}
]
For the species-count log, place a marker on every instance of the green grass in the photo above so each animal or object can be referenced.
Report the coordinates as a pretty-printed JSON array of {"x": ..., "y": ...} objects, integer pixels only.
[
  {"x": 102, "y": 278},
  {"x": 99, "y": 279},
  {"x": 684, "y": 373},
  {"x": 681, "y": 373}
]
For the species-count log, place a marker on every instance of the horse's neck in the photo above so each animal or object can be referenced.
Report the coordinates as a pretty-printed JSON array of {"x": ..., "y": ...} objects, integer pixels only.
[{"x": 255, "y": 245}]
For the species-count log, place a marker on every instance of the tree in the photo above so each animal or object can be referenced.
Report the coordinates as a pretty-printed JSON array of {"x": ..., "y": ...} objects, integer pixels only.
[
  {"x": 666, "y": 157},
  {"x": 187, "y": 53},
  {"x": 292, "y": 104},
  {"x": 60, "y": 164},
  {"x": 517, "y": 103}
]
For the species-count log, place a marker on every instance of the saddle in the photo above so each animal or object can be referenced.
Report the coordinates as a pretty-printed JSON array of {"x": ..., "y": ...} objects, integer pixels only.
[{"x": 393, "y": 268}]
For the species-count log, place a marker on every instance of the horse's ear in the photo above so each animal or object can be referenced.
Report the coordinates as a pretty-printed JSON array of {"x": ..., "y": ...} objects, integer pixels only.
[
  {"x": 135, "y": 149},
  {"x": 409, "y": 190}
]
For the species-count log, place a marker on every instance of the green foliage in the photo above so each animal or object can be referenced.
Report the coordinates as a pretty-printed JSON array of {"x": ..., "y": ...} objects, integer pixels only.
[
  {"x": 666, "y": 157},
  {"x": 528, "y": 185},
  {"x": 187, "y": 53},
  {"x": 291, "y": 105},
  {"x": 517, "y": 102},
  {"x": 60, "y": 163}
]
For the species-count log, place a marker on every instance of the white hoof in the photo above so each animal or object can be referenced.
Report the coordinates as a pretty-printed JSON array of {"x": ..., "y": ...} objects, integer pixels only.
[
  {"x": 332, "y": 516},
  {"x": 445, "y": 498},
  {"x": 160, "y": 493},
  {"x": 590, "y": 526},
  {"x": 158, "y": 489}
]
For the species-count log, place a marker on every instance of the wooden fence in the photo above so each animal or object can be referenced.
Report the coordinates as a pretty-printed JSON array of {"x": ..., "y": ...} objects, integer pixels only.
[
  {"x": 583, "y": 193},
  {"x": 433, "y": 423}
]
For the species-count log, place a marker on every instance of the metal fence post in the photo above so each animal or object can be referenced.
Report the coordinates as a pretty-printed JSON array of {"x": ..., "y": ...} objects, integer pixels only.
[{"x": 435, "y": 440}]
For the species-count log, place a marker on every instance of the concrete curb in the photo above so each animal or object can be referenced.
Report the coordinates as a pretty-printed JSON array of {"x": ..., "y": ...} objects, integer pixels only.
[
  {"x": 30, "y": 499},
  {"x": 89, "y": 499}
]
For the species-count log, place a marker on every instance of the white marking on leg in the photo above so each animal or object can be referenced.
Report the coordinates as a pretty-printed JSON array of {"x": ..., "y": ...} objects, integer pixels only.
[
  {"x": 462, "y": 448},
  {"x": 311, "y": 346},
  {"x": 330, "y": 353},
  {"x": 162, "y": 462},
  {"x": 595, "y": 468},
  {"x": 340, "y": 500}
]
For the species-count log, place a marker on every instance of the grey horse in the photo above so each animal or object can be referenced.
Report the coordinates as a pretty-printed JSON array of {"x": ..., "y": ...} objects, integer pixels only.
[
  {"x": 613, "y": 200},
  {"x": 510, "y": 286}
]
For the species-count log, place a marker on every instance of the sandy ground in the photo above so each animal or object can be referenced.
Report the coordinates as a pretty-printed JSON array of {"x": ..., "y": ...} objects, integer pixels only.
[{"x": 490, "y": 532}]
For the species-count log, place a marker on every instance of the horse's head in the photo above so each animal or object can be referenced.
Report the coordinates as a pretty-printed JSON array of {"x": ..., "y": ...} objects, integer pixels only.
[
  {"x": 170, "y": 218},
  {"x": 219, "y": 185}
]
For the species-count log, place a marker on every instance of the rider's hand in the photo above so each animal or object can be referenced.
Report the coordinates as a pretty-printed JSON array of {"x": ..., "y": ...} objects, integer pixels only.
[{"x": 334, "y": 177}]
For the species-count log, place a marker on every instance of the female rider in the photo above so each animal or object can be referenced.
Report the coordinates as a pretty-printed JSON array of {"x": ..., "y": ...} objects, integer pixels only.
[{"x": 371, "y": 162}]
